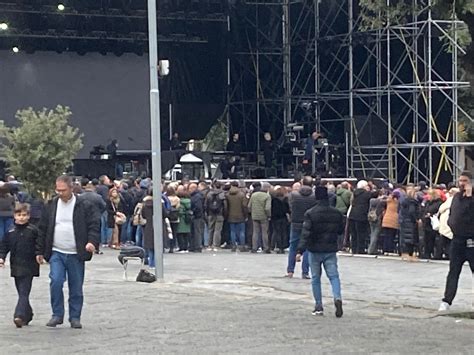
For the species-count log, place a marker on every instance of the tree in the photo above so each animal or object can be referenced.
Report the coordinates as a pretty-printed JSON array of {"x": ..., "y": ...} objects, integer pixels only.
[{"x": 41, "y": 147}]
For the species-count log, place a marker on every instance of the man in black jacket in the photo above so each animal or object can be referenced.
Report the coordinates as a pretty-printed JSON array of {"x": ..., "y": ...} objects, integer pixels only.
[
  {"x": 197, "y": 206},
  {"x": 300, "y": 201},
  {"x": 321, "y": 228},
  {"x": 70, "y": 227},
  {"x": 461, "y": 222}
]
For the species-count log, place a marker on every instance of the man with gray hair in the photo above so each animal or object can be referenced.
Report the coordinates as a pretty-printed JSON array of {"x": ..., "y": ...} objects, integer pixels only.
[{"x": 70, "y": 227}]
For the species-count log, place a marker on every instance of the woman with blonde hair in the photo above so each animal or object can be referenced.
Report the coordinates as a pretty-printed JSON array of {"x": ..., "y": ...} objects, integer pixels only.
[{"x": 115, "y": 217}]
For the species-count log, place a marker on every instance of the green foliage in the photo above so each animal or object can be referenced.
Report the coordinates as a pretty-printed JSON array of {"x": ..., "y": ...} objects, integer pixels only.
[
  {"x": 41, "y": 147},
  {"x": 375, "y": 13},
  {"x": 216, "y": 138}
]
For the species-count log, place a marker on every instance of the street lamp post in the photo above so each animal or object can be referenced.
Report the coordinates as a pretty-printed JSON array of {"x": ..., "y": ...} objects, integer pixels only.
[{"x": 155, "y": 137}]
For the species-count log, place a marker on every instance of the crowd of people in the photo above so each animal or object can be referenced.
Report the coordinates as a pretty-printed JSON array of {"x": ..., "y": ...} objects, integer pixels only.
[
  {"x": 379, "y": 218},
  {"x": 311, "y": 220}
]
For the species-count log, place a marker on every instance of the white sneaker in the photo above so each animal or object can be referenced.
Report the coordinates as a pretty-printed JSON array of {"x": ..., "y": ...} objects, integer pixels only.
[{"x": 443, "y": 307}]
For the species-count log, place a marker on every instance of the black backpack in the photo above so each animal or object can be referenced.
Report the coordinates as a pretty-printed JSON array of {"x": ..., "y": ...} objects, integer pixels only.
[
  {"x": 216, "y": 204},
  {"x": 173, "y": 215}
]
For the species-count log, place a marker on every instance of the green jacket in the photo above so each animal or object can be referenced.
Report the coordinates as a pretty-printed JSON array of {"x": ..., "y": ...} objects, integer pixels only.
[
  {"x": 260, "y": 206},
  {"x": 184, "y": 207},
  {"x": 343, "y": 200}
]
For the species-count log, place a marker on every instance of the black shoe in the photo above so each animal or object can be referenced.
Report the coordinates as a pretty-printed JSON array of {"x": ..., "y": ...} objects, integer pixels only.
[
  {"x": 54, "y": 321},
  {"x": 76, "y": 324},
  {"x": 234, "y": 249},
  {"x": 99, "y": 252},
  {"x": 268, "y": 251},
  {"x": 253, "y": 251},
  {"x": 306, "y": 277},
  {"x": 318, "y": 310},
  {"x": 18, "y": 322},
  {"x": 339, "y": 312}
]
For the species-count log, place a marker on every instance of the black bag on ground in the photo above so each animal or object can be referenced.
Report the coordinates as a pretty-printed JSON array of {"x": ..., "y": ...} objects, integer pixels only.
[
  {"x": 131, "y": 251},
  {"x": 145, "y": 276}
]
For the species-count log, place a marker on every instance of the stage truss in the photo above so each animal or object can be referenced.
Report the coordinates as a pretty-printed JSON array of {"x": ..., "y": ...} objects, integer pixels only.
[{"x": 390, "y": 94}]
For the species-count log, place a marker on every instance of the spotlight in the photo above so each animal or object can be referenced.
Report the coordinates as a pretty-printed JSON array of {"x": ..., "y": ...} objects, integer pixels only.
[
  {"x": 3, "y": 26},
  {"x": 61, "y": 7},
  {"x": 15, "y": 49}
]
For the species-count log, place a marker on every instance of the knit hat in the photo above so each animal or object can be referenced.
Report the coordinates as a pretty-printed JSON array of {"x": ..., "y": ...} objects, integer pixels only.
[{"x": 321, "y": 193}]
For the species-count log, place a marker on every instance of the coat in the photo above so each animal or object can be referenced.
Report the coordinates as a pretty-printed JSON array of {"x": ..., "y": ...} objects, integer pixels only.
[
  {"x": 409, "y": 216},
  {"x": 24, "y": 243},
  {"x": 444, "y": 211},
  {"x": 343, "y": 200},
  {"x": 390, "y": 217},
  {"x": 260, "y": 206},
  {"x": 432, "y": 208},
  {"x": 111, "y": 212},
  {"x": 7, "y": 206},
  {"x": 236, "y": 206},
  {"x": 321, "y": 228},
  {"x": 184, "y": 208},
  {"x": 197, "y": 204},
  {"x": 360, "y": 204},
  {"x": 300, "y": 202},
  {"x": 86, "y": 223},
  {"x": 461, "y": 218},
  {"x": 280, "y": 208},
  {"x": 148, "y": 230}
]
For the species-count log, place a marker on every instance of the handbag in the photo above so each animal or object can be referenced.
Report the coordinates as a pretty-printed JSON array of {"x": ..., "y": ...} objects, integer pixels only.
[
  {"x": 145, "y": 276},
  {"x": 435, "y": 222},
  {"x": 119, "y": 217}
]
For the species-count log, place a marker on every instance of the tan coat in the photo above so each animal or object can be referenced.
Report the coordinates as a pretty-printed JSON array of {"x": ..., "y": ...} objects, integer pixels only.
[{"x": 390, "y": 218}]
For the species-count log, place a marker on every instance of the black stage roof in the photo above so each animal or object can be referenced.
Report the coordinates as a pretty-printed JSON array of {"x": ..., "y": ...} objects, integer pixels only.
[{"x": 106, "y": 26}]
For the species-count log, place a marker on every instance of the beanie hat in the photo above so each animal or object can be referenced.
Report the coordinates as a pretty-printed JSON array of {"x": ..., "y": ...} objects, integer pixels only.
[{"x": 321, "y": 193}]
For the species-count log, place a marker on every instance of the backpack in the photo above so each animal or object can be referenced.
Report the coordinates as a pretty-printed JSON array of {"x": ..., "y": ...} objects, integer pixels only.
[
  {"x": 216, "y": 204},
  {"x": 138, "y": 220},
  {"x": 372, "y": 216},
  {"x": 173, "y": 215}
]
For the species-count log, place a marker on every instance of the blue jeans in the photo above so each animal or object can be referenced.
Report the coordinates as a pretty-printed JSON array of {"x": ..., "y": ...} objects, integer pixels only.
[
  {"x": 206, "y": 235},
  {"x": 104, "y": 229},
  {"x": 295, "y": 233},
  {"x": 151, "y": 257},
  {"x": 61, "y": 265},
  {"x": 126, "y": 231},
  {"x": 329, "y": 261},
  {"x": 237, "y": 230},
  {"x": 5, "y": 224},
  {"x": 139, "y": 236}
]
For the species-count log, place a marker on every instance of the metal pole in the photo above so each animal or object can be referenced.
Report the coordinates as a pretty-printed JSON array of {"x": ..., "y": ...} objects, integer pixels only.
[
  {"x": 389, "y": 101},
  {"x": 155, "y": 137},
  {"x": 171, "y": 120},
  {"x": 430, "y": 97},
  {"x": 351, "y": 84},
  {"x": 457, "y": 164}
]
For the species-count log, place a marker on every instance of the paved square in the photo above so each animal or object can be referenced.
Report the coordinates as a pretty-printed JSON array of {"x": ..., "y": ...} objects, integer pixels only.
[{"x": 240, "y": 303}]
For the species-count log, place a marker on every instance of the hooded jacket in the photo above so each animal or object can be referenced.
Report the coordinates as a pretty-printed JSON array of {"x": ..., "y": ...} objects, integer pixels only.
[
  {"x": 409, "y": 216},
  {"x": 300, "y": 202},
  {"x": 343, "y": 200},
  {"x": 236, "y": 206}
]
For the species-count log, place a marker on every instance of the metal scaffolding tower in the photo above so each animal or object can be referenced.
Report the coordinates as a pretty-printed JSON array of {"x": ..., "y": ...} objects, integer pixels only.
[{"x": 390, "y": 93}]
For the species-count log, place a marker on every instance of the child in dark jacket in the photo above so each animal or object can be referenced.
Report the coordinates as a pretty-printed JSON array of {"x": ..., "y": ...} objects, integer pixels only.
[{"x": 25, "y": 246}]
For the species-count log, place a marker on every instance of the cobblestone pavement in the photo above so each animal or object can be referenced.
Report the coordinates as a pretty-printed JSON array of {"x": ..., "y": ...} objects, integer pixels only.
[{"x": 240, "y": 303}]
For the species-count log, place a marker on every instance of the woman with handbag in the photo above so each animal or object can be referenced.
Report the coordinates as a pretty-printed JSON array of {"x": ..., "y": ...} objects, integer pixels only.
[{"x": 115, "y": 217}]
